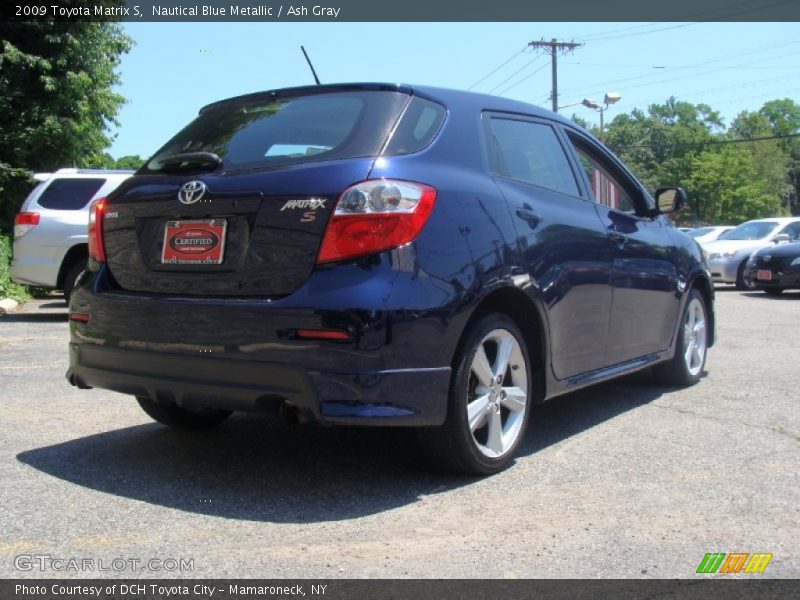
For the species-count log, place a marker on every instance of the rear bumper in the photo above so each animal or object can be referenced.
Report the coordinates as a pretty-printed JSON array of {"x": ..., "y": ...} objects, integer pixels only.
[
  {"x": 243, "y": 354},
  {"x": 34, "y": 270},
  {"x": 405, "y": 397}
]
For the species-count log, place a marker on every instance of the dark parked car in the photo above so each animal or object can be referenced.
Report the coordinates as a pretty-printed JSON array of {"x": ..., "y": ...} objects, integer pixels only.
[
  {"x": 776, "y": 268},
  {"x": 374, "y": 254}
]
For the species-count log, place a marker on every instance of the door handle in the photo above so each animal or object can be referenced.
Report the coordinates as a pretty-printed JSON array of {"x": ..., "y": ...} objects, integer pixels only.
[
  {"x": 528, "y": 214},
  {"x": 618, "y": 238}
]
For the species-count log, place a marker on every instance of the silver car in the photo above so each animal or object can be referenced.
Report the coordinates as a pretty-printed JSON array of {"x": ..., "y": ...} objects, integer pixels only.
[
  {"x": 51, "y": 229},
  {"x": 727, "y": 256}
]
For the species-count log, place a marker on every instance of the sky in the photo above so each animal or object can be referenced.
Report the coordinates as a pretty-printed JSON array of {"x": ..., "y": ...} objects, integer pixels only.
[{"x": 177, "y": 68}]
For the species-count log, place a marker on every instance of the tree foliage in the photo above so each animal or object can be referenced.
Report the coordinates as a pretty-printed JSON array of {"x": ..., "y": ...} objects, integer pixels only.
[
  {"x": 728, "y": 181},
  {"x": 57, "y": 97}
]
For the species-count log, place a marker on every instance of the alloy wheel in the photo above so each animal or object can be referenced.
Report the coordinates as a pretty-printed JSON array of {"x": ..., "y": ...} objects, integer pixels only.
[
  {"x": 694, "y": 337},
  {"x": 497, "y": 393}
]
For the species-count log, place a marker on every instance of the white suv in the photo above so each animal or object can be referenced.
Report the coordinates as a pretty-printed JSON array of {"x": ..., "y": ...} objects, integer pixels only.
[{"x": 51, "y": 229}]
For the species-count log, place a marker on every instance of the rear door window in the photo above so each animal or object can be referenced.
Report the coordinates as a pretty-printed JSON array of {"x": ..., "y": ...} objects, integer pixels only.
[
  {"x": 531, "y": 152},
  {"x": 70, "y": 194}
]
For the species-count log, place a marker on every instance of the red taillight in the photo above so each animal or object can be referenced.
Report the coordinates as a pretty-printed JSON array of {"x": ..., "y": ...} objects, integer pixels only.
[
  {"x": 24, "y": 222},
  {"x": 79, "y": 317},
  {"x": 322, "y": 334},
  {"x": 376, "y": 215},
  {"x": 96, "y": 213}
]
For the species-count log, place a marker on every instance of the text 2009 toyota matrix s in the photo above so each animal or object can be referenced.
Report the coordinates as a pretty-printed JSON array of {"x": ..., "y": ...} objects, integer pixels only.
[{"x": 373, "y": 254}]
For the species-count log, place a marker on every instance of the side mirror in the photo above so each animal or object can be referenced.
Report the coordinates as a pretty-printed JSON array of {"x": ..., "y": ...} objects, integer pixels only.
[
  {"x": 781, "y": 238},
  {"x": 670, "y": 199}
]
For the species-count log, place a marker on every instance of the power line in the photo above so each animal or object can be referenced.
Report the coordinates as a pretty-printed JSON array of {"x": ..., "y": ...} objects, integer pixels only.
[
  {"x": 715, "y": 142},
  {"x": 757, "y": 49},
  {"x": 605, "y": 34},
  {"x": 690, "y": 18},
  {"x": 517, "y": 72},
  {"x": 513, "y": 85},
  {"x": 496, "y": 69}
]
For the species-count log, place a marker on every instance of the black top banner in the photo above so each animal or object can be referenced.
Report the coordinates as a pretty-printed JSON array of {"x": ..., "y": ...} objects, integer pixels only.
[{"x": 403, "y": 11}]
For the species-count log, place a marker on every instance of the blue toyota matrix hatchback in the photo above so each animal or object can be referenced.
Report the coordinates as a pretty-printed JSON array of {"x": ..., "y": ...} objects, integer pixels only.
[{"x": 374, "y": 254}]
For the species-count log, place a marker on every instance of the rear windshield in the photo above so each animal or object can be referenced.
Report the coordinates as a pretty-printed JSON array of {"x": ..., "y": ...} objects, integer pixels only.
[
  {"x": 69, "y": 194},
  {"x": 750, "y": 231},
  {"x": 289, "y": 130}
]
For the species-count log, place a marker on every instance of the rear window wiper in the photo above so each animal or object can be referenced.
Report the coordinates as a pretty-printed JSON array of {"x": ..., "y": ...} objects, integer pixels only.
[{"x": 194, "y": 161}]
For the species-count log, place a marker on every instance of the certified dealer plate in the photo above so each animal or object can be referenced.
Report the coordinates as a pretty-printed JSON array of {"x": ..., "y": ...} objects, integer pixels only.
[
  {"x": 197, "y": 242},
  {"x": 764, "y": 274}
]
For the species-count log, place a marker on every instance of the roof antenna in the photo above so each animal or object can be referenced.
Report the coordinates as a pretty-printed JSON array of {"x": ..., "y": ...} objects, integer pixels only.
[{"x": 310, "y": 66}]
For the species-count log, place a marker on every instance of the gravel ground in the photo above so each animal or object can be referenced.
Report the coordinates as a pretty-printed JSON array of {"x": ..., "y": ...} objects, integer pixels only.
[{"x": 623, "y": 480}]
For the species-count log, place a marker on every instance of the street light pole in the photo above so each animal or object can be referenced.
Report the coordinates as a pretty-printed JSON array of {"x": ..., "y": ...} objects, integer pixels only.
[{"x": 610, "y": 98}]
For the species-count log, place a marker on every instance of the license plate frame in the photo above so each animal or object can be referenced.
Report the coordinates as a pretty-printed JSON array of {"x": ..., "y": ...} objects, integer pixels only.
[
  {"x": 764, "y": 275},
  {"x": 194, "y": 242}
]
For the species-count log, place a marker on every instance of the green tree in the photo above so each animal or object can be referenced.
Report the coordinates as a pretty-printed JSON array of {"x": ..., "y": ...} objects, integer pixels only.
[
  {"x": 56, "y": 98},
  {"x": 771, "y": 158},
  {"x": 784, "y": 116},
  {"x": 725, "y": 187},
  {"x": 659, "y": 145}
]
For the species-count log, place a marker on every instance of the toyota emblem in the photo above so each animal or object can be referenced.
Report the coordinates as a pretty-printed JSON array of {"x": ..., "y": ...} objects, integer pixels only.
[{"x": 191, "y": 192}]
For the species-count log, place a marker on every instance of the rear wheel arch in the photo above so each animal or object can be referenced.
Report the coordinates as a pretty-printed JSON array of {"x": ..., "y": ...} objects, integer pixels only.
[
  {"x": 517, "y": 306},
  {"x": 77, "y": 253}
]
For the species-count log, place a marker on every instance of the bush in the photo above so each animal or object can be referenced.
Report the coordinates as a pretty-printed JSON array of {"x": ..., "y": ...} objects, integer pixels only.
[{"x": 9, "y": 289}]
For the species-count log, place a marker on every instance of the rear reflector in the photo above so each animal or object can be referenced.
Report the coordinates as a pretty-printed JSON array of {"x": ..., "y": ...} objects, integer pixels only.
[
  {"x": 322, "y": 334},
  {"x": 96, "y": 214},
  {"x": 79, "y": 317},
  {"x": 24, "y": 222},
  {"x": 374, "y": 216}
]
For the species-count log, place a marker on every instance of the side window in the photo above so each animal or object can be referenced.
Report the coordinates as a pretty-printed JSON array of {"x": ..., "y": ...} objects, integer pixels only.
[
  {"x": 606, "y": 188},
  {"x": 69, "y": 194},
  {"x": 531, "y": 152},
  {"x": 793, "y": 229}
]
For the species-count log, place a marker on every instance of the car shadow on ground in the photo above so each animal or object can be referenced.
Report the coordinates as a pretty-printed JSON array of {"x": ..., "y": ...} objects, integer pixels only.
[
  {"x": 35, "y": 317},
  {"x": 786, "y": 295},
  {"x": 263, "y": 469}
]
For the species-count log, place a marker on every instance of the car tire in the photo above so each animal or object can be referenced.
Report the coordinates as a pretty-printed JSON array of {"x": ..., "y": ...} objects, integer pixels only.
[
  {"x": 489, "y": 401},
  {"x": 691, "y": 346},
  {"x": 71, "y": 277},
  {"x": 741, "y": 282},
  {"x": 181, "y": 418},
  {"x": 773, "y": 291}
]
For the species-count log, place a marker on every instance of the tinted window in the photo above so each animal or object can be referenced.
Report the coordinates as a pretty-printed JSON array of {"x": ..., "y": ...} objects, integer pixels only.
[
  {"x": 531, "y": 152},
  {"x": 279, "y": 130},
  {"x": 69, "y": 194},
  {"x": 792, "y": 230},
  {"x": 750, "y": 231},
  {"x": 419, "y": 125}
]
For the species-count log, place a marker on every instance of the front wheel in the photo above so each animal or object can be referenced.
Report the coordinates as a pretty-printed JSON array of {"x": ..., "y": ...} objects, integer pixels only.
[
  {"x": 182, "y": 418},
  {"x": 743, "y": 282},
  {"x": 489, "y": 401},
  {"x": 691, "y": 348}
]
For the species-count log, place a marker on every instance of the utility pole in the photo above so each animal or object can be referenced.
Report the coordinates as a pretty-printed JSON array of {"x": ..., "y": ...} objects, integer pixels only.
[{"x": 553, "y": 47}]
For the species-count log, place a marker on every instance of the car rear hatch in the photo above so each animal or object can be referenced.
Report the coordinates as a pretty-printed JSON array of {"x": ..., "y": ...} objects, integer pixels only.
[{"x": 236, "y": 204}]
